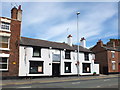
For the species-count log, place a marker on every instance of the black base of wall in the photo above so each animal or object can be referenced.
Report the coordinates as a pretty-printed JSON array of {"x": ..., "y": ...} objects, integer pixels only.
[
  {"x": 114, "y": 73},
  {"x": 110, "y": 73}
]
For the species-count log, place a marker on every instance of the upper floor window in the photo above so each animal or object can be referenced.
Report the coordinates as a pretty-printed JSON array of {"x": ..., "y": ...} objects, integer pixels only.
[
  {"x": 4, "y": 42},
  {"x": 36, "y": 52},
  {"x": 86, "y": 55},
  {"x": 56, "y": 57},
  {"x": 67, "y": 54},
  {"x": 5, "y": 26},
  {"x": 3, "y": 63},
  {"x": 113, "y": 54}
]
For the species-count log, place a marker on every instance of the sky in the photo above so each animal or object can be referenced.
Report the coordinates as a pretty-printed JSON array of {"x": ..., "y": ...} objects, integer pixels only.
[{"x": 54, "y": 21}]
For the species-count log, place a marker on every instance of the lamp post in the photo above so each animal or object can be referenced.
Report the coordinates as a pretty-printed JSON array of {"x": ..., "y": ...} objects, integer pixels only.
[{"x": 78, "y": 43}]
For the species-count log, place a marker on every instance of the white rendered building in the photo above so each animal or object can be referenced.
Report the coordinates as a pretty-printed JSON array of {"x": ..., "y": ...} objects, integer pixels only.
[{"x": 45, "y": 58}]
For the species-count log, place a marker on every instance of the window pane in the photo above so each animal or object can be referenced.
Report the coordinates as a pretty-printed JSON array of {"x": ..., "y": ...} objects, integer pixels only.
[
  {"x": 86, "y": 55},
  {"x": 4, "y": 39},
  {"x": 67, "y": 67},
  {"x": 56, "y": 57},
  {"x": 86, "y": 68},
  {"x": 67, "y": 54},
  {"x": 113, "y": 66},
  {"x": 36, "y": 67},
  {"x": 3, "y": 60},
  {"x": 5, "y": 25},
  {"x": 113, "y": 55},
  {"x": 3, "y": 66},
  {"x": 4, "y": 42},
  {"x": 4, "y": 45},
  {"x": 36, "y": 51}
]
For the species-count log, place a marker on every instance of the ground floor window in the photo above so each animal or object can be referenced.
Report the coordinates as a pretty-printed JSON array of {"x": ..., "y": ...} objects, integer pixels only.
[
  {"x": 36, "y": 67},
  {"x": 3, "y": 63},
  {"x": 86, "y": 68},
  {"x": 67, "y": 67}
]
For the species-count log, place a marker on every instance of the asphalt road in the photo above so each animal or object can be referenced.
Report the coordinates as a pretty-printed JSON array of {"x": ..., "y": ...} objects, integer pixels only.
[{"x": 73, "y": 82}]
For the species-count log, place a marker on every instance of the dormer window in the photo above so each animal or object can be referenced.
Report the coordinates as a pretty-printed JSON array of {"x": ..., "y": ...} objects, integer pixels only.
[{"x": 5, "y": 26}]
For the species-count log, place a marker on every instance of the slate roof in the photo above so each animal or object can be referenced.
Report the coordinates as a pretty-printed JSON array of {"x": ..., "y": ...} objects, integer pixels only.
[
  {"x": 111, "y": 48},
  {"x": 44, "y": 43}
]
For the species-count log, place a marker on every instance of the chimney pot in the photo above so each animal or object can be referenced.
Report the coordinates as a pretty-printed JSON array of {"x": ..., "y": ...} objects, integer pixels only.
[
  {"x": 19, "y": 8},
  {"x": 69, "y": 40},
  {"x": 83, "y": 42},
  {"x": 100, "y": 42}
]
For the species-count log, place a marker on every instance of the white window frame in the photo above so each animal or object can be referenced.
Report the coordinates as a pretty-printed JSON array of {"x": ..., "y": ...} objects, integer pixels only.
[
  {"x": 113, "y": 53},
  {"x": 8, "y": 44},
  {"x": 5, "y": 63},
  {"x": 7, "y": 30},
  {"x": 113, "y": 65}
]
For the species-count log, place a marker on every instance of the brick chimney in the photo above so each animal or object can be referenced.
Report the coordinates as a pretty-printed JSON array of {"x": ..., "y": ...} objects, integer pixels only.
[
  {"x": 14, "y": 13},
  {"x": 100, "y": 43},
  {"x": 83, "y": 42},
  {"x": 69, "y": 40}
]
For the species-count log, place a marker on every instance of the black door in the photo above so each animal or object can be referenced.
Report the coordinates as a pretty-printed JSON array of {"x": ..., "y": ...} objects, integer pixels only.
[{"x": 55, "y": 69}]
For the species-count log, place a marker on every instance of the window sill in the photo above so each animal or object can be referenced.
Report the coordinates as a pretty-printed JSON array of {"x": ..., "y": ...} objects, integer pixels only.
[
  {"x": 36, "y": 73},
  {"x": 5, "y": 30},
  {"x": 86, "y": 72},
  {"x": 36, "y": 56},
  {"x": 68, "y": 58},
  {"x": 5, "y": 49},
  {"x": 3, "y": 70},
  {"x": 67, "y": 72}
]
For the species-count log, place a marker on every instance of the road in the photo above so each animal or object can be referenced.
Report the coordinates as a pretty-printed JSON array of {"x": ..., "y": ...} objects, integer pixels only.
[{"x": 64, "y": 82}]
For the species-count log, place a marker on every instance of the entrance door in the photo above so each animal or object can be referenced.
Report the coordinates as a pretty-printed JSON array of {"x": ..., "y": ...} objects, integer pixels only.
[{"x": 55, "y": 69}]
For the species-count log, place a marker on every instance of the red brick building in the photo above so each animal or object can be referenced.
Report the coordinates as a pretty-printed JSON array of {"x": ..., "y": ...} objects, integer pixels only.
[
  {"x": 108, "y": 56},
  {"x": 9, "y": 43}
]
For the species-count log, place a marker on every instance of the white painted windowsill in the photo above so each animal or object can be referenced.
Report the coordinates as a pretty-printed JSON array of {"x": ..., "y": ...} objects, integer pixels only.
[
  {"x": 5, "y": 30},
  {"x": 5, "y": 49}
]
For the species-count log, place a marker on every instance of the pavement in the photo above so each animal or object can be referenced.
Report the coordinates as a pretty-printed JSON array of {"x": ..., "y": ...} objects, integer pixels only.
[{"x": 55, "y": 79}]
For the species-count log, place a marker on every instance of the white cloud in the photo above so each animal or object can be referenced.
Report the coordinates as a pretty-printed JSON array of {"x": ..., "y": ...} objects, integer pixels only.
[{"x": 91, "y": 19}]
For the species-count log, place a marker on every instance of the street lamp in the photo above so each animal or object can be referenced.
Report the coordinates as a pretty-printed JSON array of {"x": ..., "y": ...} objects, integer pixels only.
[{"x": 78, "y": 43}]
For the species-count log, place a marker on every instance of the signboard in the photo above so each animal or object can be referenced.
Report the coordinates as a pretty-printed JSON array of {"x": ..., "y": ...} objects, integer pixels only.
[{"x": 39, "y": 68}]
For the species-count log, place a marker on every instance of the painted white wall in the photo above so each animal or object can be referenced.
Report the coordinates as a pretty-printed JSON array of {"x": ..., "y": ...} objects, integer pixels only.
[
  {"x": 46, "y": 56},
  {"x": 24, "y": 68},
  {"x": 96, "y": 68}
]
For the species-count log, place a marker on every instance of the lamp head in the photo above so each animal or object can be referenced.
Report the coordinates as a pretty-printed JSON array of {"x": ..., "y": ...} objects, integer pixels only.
[{"x": 78, "y": 13}]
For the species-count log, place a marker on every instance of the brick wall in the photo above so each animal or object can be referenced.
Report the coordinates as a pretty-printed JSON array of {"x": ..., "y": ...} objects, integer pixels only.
[
  {"x": 101, "y": 58},
  {"x": 110, "y": 59},
  {"x": 13, "y": 69}
]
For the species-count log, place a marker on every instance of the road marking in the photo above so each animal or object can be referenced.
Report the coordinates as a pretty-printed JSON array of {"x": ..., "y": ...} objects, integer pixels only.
[
  {"x": 25, "y": 87},
  {"x": 75, "y": 82},
  {"x": 98, "y": 86},
  {"x": 107, "y": 80}
]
